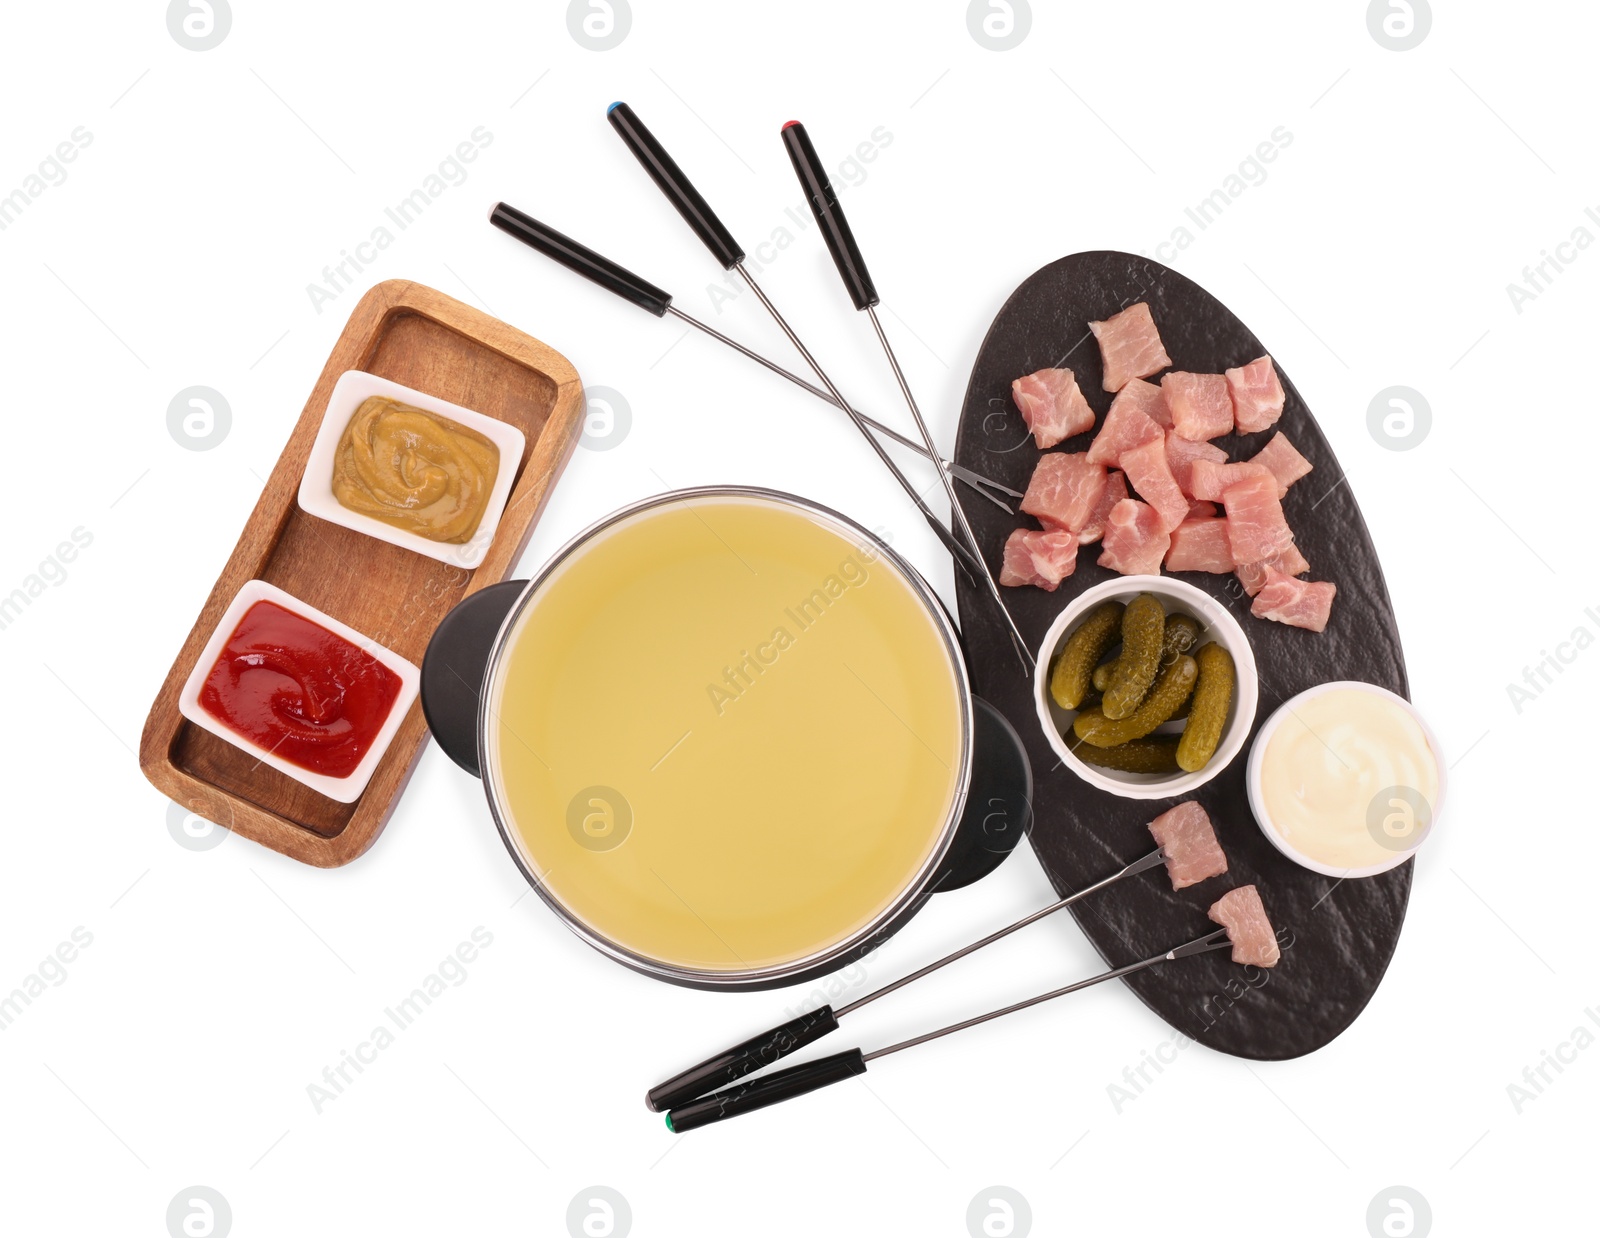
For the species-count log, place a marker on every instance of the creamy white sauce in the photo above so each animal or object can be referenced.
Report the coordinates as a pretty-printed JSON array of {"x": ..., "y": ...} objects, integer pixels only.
[{"x": 1324, "y": 769}]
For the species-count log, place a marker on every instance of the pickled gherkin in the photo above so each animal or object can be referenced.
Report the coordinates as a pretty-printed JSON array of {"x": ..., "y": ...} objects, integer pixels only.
[
  {"x": 1182, "y": 632},
  {"x": 1069, "y": 681},
  {"x": 1156, "y": 754},
  {"x": 1181, "y": 635},
  {"x": 1144, "y": 625},
  {"x": 1166, "y": 696},
  {"x": 1208, "y": 712}
]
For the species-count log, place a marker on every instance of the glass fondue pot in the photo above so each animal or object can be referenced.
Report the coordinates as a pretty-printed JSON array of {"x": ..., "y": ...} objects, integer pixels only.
[{"x": 727, "y": 736}]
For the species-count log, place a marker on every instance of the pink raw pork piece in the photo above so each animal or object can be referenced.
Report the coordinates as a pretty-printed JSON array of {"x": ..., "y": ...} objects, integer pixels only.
[
  {"x": 1241, "y": 913},
  {"x": 1201, "y": 406},
  {"x": 1130, "y": 346},
  {"x": 1064, "y": 490},
  {"x": 1126, "y": 426},
  {"x": 1181, "y": 455},
  {"x": 1134, "y": 542},
  {"x": 1147, "y": 470},
  {"x": 1116, "y": 490},
  {"x": 1201, "y": 545},
  {"x": 1052, "y": 405},
  {"x": 1189, "y": 844},
  {"x": 1200, "y": 509},
  {"x": 1257, "y": 395},
  {"x": 1299, "y": 603},
  {"x": 1253, "y": 575},
  {"x": 1256, "y": 527},
  {"x": 1147, "y": 398},
  {"x": 1039, "y": 557},
  {"x": 1208, "y": 479},
  {"x": 1286, "y": 464}
]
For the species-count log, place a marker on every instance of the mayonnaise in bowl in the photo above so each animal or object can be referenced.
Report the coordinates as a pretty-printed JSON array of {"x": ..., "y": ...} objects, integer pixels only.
[{"x": 1346, "y": 779}]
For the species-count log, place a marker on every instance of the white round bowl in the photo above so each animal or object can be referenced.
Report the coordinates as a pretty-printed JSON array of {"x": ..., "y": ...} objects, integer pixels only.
[
  {"x": 1216, "y": 623},
  {"x": 1252, "y": 779}
]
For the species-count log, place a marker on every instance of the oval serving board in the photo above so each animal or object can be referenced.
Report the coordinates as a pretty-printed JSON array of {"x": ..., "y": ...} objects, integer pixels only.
[{"x": 1338, "y": 936}]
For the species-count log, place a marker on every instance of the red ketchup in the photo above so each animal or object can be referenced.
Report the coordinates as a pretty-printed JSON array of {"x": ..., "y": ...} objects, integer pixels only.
[{"x": 303, "y": 693}]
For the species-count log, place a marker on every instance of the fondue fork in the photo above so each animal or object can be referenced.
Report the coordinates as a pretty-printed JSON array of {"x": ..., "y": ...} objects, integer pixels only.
[
  {"x": 841, "y": 243},
  {"x": 809, "y": 1076},
  {"x": 641, "y": 292},
  {"x": 769, "y": 1046},
  {"x": 669, "y": 178}
]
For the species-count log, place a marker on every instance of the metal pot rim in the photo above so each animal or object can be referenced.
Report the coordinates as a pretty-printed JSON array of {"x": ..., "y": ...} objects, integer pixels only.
[{"x": 821, "y": 960}]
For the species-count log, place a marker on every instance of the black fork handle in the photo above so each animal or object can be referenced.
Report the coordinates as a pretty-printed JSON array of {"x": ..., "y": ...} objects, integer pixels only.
[
  {"x": 824, "y": 204},
  {"x": 669, "y": 178},
  {"x": 767, "y": 1090},
  {"x": 580, "y": 258},
  {"x": 723, "y": 1069}
]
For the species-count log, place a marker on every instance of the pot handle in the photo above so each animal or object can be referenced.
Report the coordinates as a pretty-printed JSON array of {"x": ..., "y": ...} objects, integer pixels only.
[
  {"x": 454, "y": 666},
  {"x": 999, "y": 807}
]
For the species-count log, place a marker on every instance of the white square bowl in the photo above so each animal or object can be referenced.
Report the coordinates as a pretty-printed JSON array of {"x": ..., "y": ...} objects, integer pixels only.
[
  {"x": 345, "y": 790},
  {"x": 316, "y": 483}
]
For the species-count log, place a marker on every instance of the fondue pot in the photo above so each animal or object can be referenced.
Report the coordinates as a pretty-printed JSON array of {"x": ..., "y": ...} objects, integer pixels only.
[{"x": 703, "y": 802}]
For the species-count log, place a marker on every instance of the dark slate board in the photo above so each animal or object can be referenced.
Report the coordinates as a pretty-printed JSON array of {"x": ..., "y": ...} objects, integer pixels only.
[{"x": 1341, "y": 941}]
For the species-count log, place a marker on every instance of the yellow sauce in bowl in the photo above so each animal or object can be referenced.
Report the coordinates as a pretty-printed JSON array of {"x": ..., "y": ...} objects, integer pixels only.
[
  {"x": 415, "y": 470},
  {"x": 724, "y": 736},
  {"x": 1348, "y": 779}
]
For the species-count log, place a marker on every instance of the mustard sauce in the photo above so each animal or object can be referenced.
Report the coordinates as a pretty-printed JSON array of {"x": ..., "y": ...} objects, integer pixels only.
[{"x": 415, "y": 470}]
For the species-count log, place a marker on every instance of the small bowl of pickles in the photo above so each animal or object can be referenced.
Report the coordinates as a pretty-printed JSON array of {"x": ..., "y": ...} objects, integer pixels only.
[{"x": 1146, "y": 687}]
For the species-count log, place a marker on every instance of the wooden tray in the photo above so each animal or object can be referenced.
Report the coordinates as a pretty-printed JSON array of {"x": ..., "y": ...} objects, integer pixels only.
[
  {"x": 421, "y": 338},
  {"x": 1342, "y": 934}
]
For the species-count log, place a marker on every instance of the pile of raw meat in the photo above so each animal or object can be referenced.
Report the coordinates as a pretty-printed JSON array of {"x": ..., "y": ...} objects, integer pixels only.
[{"x": 1149, "y": 487}]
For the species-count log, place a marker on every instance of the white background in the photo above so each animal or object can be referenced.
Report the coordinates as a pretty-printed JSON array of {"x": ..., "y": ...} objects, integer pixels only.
[{"x": 220, "y": 983}]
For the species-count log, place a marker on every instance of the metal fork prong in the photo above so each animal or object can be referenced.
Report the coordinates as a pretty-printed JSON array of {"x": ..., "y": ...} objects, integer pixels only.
[
  {"x": 1156, "y": 857},
  {"x": 1214, "y": 940}
]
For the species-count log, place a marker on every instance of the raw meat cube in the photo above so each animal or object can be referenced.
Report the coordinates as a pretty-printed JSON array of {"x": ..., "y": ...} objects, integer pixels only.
[
  {"x": 1064, "y": 490},
  {"x": 1299, "y": 603},
  {"x": 1126, "y": 425},
  {"x": 1134, "y": 542},
  {"x": 1146, "y": 467},
  {"x": 1253, "y": 575},
  {"x": 1189, "y": 844},
  {"x": 1039, "y": 557},
  {"x": 1200, "y": 509},
  {"x": 1286, "y": 464},
  {"x": 1256, "y": 527},
  {"x": 1208, "y": 479},
  {"x": 1116, "y": 490},
  {"x": 1147, "y": 398},
  {"x": 1201, "y": 406},
  {"x": 1201, "y": 545},
  {"x": 1181, "y": 455},
  {"x": 1130, "y": 347},
  {"x": 1241, "y": 913},
  {"x": 1052, "y": 405},
  {"x": 1257, "y": 395}
]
